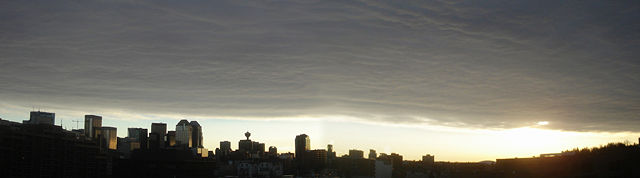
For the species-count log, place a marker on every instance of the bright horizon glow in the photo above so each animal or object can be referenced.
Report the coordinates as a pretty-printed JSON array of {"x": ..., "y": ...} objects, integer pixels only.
[
  {"x": 543, "y": 123},
  {"x": 411, "y": 141}
]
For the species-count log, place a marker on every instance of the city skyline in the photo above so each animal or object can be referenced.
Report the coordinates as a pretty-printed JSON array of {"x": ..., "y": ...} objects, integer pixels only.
[
  {"x": 285, "y": 141},
  {"x": 508, "y": 79}
]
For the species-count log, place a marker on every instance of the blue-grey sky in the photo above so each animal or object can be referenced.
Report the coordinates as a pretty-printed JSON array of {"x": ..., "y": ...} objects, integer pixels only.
[{"x": 467, "y": 64}]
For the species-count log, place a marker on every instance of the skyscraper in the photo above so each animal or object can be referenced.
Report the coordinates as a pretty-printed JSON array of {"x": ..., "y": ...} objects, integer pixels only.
[
  {"x": 139, "y": 135},
  {"x": 184, "y": 132},
  {"x": 91, "y": 125},
  {"x": 109, "y": 137},
  {"x": 38, "y": 117},
  {"x": 159, "y": 131},
  {"x": 196, "y": 135},
  {"x": 303, "y": 145}
]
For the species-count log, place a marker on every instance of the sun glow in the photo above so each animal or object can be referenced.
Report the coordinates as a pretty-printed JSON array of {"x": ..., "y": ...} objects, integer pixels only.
[{"x": 543, "y": 123}]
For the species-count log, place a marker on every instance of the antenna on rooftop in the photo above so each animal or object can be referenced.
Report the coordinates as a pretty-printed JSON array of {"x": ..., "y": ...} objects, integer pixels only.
[{"x": 76, "y": 121}]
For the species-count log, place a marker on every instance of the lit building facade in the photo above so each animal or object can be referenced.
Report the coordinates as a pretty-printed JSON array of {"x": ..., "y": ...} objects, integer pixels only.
[
  {"x": 184, "y": 132},
  {"x": 109, "y": 136},
  {"x": 92, "y": 123},
  {"x": 196, "y": 135},
  {"x": 171, "y": 139}
]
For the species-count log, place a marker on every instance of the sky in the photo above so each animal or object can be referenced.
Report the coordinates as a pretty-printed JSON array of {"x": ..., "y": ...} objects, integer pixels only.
[{"x": 461, "y": 80}]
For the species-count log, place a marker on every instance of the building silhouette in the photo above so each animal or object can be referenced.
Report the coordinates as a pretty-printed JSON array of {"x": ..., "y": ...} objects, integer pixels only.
[
  {"x": 318, "y": 158},
  {"x": 372, "y": 154},
  {"x": 44, "y": 150},
  {"x": 302, "y": 157},
  {"x": 356, "y": 154},
  {"x": 245, "y": 146},
  {"x": 160, "y": 131},
  {"x": 91, "y": 125},
  {"x": 154, "y": 141},
  {"x": 273, "y": 151},
  {"x": 184, "y": 132},
  {"x": 428, "y": 159},
  {"x": 109, "y": 137},
  {"x": 171, "y": 139},
  {"x": 39, "y": 117},
  {"x": 225, "y": 147},
  {"x": 330, "y": 153},
  {"x": 139, "y": 136},
  {"x": 196, "y": 134},
  {"x": 303, "y": 144}
]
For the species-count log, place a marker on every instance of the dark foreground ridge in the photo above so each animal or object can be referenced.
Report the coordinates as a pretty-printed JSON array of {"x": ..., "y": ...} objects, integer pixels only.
[{"x": 38, "y": 148}]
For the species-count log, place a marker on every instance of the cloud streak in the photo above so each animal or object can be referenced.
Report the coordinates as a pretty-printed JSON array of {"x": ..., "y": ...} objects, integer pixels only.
[{"x": 453, "y": 63}]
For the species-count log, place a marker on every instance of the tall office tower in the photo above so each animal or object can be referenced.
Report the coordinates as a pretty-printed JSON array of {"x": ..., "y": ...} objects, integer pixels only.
[
  {"x": 159, "y": 130},
  {"x": 139, "y": 135},
  {"x": 196, "y": 135},
  {"x": 109, "y": 137},
  {"x": 171, "y": 139},
  {"x": 356, "y": 154},
  {"x": 91, "y": 123},
  {"x": 303, "y": 145},
  {"x": 184, "y": 132},
  {"x": 38, "y": 117},
  {"x": 372, "y": 154},
  {"x": 225, "y": 147},
  {"x": 245, "y": 145}
]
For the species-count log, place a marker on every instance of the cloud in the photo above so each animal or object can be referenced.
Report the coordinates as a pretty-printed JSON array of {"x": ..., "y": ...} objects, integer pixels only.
[{"x": 498, "y": 64}]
